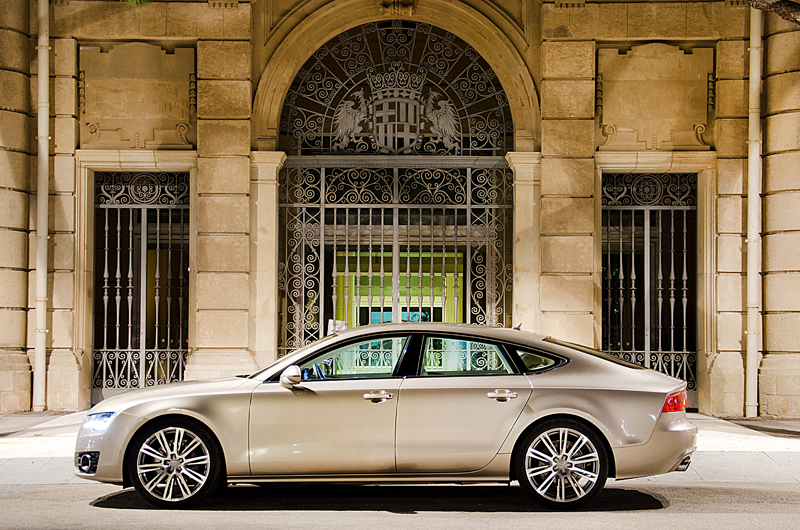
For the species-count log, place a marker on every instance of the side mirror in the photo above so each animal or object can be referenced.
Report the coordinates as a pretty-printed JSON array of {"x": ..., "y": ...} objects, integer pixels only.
[{"x": 291, "y": 376}]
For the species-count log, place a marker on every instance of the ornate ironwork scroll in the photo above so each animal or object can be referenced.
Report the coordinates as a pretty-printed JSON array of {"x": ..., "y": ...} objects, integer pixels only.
[
  {"x": 395, "y": 200},
  {"x": 396, "y": 87},
  {"x": 380, "y": 241},
  {"x": 141, "y": 277},
  {"x": 650, "y": 271},
  {"x": 157, "y": 189},
  {"x": 647, "y": 189}
]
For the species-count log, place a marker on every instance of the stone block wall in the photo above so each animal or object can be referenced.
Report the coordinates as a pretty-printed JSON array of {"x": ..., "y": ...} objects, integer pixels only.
[
  {"x": 15, "y": 369},
  {"x": 222, "y": 270},
  {"x": 568, "y": 213},
  {"x": 779, "y": 383}
]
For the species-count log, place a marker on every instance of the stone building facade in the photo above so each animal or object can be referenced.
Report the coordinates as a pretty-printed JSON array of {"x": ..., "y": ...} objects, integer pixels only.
[{"x": 627, "y": 132}]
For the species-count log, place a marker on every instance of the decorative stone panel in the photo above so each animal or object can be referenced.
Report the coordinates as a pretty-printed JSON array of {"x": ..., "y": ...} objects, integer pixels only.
[
  {"x": 136, "y": 96},
  {"x": 654, "y": 97}
]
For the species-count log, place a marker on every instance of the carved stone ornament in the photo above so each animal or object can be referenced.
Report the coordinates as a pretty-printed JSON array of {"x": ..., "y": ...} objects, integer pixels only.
[
  {"x": 137, "y": 96},
  {"x": 396, "y": 7},
  {"x": 654, "y": 97}
]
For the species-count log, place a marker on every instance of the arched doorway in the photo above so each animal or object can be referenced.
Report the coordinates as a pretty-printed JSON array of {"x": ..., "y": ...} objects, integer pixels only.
[{"x": 395, "y": 199}]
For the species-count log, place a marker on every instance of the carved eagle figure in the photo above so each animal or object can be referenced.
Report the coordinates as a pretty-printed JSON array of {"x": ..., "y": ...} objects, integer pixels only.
[
  {"x": 347, "y": 120},
  {"x": 444, "y": 121}
]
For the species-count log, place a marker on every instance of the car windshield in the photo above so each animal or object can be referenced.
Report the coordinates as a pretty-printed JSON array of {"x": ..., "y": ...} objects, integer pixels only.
[
  {"x": 303, "y": 349},
  {"x": 596, "y": 353}
]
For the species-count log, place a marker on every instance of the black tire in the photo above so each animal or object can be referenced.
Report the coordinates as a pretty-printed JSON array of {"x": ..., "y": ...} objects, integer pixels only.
[
  {"x": 561, "y": 464},
  {"x": 175, "y": 463}
]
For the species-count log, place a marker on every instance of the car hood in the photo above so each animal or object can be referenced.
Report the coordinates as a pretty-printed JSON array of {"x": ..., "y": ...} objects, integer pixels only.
[{"x": 127, "y": 400}]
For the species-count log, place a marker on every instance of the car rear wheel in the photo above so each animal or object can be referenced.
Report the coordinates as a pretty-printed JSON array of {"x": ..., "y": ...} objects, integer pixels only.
[
  {"x": 562, "y": 464},
  {"x": 175, "y": 464}
]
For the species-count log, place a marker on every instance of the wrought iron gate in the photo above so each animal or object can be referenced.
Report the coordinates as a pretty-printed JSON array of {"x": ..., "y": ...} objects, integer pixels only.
[
  {"x": 388, "y": 242},
  {"x": 395, "y": 198},
  {"x": 650, "y": 272},
  {"x": 140, "y": 281}
]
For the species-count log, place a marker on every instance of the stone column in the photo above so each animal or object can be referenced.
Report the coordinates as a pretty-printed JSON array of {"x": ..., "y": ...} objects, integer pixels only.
[
  {"x": 527, "y": 168},
  {"x": 264, "y": 254},
  {"x": 569, "y": 282},
  {"x": 721, "y": 372},
  {"x": 221, "y": 279},
  {"x": 15, "y": 369},
  {"x": 69, "y": 368},
  {"x": 779, "y": 385}
]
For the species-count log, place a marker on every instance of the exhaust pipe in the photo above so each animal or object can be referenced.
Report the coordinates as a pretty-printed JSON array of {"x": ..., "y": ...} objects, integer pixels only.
[{"x": 684, "y": 465}]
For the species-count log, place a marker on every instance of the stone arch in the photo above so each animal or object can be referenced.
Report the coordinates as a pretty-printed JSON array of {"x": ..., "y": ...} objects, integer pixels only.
[{"x": 455, "y": 17}]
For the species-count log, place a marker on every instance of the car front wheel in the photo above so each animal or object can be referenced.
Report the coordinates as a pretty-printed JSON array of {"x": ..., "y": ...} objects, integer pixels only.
[
  {"x": 561, "y": 464},
  {"x": 175, "y": 464}
]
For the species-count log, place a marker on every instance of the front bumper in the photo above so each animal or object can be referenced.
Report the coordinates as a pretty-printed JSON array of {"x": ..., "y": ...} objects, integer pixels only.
[
  {"x": 674, "y": 439},
  {"x": 109, "y": 447}
]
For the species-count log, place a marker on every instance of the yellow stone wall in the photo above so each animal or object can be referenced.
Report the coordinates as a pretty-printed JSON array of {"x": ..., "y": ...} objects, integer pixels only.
[{"x": 575, "y": 74}]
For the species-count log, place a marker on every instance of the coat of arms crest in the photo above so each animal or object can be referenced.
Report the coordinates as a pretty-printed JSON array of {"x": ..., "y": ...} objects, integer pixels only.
[{"x": 396, "y": 114}]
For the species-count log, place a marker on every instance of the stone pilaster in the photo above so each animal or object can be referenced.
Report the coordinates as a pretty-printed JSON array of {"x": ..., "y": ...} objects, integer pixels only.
[
  {"x": 567, "y": 215},
  {"x": 15, "y": 368},
  {"x": 222, "y": 276},
  {"x": 264, "y": 331},
  {"x": 527, "y": 168},
  {"x": 721, "y": 371},
  {"x": 779, "y": 384},
  {"x": 68, "y": 367}
]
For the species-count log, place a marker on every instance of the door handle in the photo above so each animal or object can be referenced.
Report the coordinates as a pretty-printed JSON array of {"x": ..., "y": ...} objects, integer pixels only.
[
  {"x": 378, "y": 396},
  {"x": 502, "y": 394}
]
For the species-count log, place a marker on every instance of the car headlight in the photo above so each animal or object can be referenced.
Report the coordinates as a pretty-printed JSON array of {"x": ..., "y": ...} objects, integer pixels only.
[{"x": 98, "y": 422}]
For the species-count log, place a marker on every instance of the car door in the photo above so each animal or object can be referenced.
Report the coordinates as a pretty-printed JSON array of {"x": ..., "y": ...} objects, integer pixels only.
[
  {"x": 340, "y": 419},
  {"x": 456, "y": 413}
]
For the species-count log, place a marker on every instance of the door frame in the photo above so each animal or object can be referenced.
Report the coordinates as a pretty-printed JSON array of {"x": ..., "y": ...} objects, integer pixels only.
[
  {"x": 87, "y": 162},
  {"x": 704, "y": 164}
]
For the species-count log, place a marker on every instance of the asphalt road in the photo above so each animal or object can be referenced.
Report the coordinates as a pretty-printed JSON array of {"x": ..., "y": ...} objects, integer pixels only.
[{"x": 716, "y": 505}]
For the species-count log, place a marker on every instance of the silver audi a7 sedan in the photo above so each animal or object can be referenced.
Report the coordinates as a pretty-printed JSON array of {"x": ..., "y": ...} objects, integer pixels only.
[{"x": 389, "y": 403}]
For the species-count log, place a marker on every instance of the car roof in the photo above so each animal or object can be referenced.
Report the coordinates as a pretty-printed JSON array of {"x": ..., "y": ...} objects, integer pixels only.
[{"x": 474, "y": 330}]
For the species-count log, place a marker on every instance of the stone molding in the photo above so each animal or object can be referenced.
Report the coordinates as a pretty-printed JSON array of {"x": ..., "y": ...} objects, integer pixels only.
[
  {"x": 264, "y": 230},
  {"x": 526, "y": 166},
  {"x": 657, "y": 161}
]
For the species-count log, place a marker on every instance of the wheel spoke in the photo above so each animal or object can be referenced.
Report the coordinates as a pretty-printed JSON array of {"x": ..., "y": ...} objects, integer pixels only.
[
  {"x": 535, "y": 472},
  {"x": 168, "y": 488},
  {"x": 533, "y": 453},
  {"x": 579, "y": 491},
  {"x": 547, "y": 482},
  {"x": 149, "y": 451},
  {"x": 560, "y": 488},
  {"x": 563, "y": 435},
  {"x": 148, "y": 468},
  {"x": 549, "y": 445},
  {"x": 176, "y": 442},
  {"x": 184, "y": 487},
  {"x": 585, "y": 474},
  {"x": 150, "y": 486},
  {"x": 583, "y": 440},
  {"x": 196, "y": 461},
  {"x": 191, "y": 447},
  {"x": 162, "y": 440},
  {"x": 585, "y": 459},
  {"x": 194, "y": 475}
]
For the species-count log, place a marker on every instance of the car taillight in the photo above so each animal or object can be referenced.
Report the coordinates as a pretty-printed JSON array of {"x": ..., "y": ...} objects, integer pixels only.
[{"x": 675, "y": 402}]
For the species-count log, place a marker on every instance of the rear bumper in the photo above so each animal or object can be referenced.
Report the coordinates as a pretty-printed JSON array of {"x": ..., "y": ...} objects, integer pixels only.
[{"x": 674, "y": 439}]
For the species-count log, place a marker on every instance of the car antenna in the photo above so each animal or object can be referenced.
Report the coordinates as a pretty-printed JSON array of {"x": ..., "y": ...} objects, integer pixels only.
[{"x": 518, "y": 327}]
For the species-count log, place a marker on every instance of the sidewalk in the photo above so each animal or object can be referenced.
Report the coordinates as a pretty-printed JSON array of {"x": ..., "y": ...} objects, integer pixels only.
[{"x": 40, "y": 448}]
